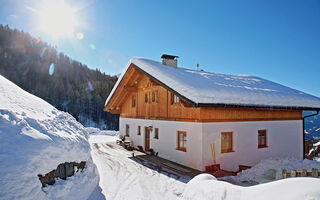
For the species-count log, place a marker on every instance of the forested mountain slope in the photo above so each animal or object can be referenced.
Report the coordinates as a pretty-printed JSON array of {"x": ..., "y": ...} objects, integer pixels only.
[{"x": 67, "y": 84}]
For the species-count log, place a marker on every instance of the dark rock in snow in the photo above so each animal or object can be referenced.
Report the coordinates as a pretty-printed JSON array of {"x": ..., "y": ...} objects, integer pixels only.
[
  {"x": 61, "y": 171},
  {"x": 69, "y": 169}
]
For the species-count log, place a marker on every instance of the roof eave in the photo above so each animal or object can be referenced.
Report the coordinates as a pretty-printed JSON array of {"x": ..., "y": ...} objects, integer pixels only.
[{"x": 262, "y": 107}]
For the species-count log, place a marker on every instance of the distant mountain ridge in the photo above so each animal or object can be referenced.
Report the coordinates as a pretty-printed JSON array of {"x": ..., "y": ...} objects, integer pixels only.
[
  {"x": 67, "y": 84},
  {"x": 312, "y": 126}
]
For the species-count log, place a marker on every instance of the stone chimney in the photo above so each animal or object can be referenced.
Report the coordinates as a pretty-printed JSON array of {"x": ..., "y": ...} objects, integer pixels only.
[{"x": 170, "y": 60}]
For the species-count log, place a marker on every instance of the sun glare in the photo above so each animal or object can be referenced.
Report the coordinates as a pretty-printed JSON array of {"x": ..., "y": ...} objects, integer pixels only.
[{"x": 57, "y": 18}]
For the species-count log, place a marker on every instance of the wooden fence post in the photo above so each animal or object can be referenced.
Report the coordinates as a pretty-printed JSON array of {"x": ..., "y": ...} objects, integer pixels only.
[
  {"x": 304, "y": 173},
  {"x": 315, "y": 173},
  {"x": 293, "y": 173},
  {"x": 284, "y": 173}
]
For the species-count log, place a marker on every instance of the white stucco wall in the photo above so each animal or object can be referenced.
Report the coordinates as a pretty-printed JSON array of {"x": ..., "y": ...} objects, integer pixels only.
[
  {"x": 284, "y": 138},
  {"x": 167, "y": 143}
]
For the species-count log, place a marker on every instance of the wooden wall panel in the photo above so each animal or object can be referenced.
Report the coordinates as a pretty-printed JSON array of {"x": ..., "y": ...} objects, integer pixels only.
[{"x": 220, "y": 114}]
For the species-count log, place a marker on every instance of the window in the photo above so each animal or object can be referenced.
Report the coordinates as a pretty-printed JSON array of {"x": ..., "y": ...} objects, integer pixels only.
[
  {"x": 182, "y": 141},
  {"x": 127, "y": 130},
  {"x": 134, "y": 101},
  {"x": 155, "y": 96},
  {"x": 262, "y": 138},
  {"x": 147, "y": 98},
  {"x": 226, "y": 142},
  {"x": 139, "y": 130},
  {"x": 156, "y": 133},
  {"x": 174, "y": 99}
]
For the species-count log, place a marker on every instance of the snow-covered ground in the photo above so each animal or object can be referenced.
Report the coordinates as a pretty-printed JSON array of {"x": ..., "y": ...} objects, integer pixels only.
[
  {"x": 123, "y": 178},
  {"x": 34, "y": 138}
]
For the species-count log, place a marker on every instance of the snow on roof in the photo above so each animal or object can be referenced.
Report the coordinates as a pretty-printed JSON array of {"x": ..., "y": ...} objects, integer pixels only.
[{"x": 208, "y": 88}]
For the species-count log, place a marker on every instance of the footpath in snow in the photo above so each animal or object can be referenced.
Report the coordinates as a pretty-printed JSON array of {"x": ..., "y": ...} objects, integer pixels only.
[{"x": 122, "y": 178}]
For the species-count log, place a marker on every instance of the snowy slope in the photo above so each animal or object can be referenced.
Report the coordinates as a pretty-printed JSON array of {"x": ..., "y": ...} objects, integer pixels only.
[
  {"x": 34, "y": 138},
  {"x": 213, "y": 88}
]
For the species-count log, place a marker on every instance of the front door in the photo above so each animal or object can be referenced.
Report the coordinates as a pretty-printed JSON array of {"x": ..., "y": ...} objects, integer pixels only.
[{"x": 147, "y": 138}]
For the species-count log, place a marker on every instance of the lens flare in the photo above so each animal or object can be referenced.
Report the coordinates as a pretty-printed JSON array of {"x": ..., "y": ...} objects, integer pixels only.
[
  {"x": 90, "y": 85},
  {"x": 51, "y": 69},
  {"x": 92, "y": 46},
  {"x": 80, "y": 36},
  {"x": 43, "y": 51}
]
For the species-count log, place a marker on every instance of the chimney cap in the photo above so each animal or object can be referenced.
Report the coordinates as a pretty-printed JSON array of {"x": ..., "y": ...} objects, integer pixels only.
[{"x": 166, "y": 56}]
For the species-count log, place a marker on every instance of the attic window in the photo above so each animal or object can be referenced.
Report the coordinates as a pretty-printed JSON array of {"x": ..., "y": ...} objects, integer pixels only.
[
  {"x": 174, "y": 99},
  {"x": 155, "y": 96},
  {"x": 134, "y": 101},
  {"x": 147, "y": 97}
]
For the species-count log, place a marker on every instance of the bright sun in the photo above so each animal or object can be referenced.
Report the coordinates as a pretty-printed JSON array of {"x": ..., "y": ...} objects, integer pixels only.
[{"x": 57, "y": 18}]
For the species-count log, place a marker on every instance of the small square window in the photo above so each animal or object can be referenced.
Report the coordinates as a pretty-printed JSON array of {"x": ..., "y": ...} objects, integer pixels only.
[
  {"x": 262, "y": 138},
  {"x": 156, "y": 133},
  {"x": 226, "y": 142}
]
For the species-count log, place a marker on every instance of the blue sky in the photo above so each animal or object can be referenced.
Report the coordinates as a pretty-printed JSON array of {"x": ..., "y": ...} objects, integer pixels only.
[{"x": 276, "y": 40}]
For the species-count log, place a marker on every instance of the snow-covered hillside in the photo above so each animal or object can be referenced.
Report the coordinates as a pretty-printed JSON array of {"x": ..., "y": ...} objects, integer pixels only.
[{"x": 34, "y": 138}]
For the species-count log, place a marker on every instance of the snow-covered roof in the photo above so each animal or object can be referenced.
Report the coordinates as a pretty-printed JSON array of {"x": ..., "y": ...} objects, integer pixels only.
[{"x": 223, "y": 90}]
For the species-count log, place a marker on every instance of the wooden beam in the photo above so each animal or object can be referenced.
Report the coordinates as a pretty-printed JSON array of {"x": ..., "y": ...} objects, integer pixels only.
[{"x": 131, "y": 88}]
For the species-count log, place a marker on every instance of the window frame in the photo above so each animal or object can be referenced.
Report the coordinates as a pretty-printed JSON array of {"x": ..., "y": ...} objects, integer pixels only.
[
  {"x": 147, "y": 97},
  {"x": 262, "y": 133},
  {"x": 134, "y": 101},
  {"x": 155, "y": 96},
  {"x": 231, "y": 141},
  {"x": 175, "y": 99},
  {"x": 184, "y": 146},
  {"x": 127, "y": 130},
  {"x": 139, "y": 130},
  {"x": 156, "y": 133}
]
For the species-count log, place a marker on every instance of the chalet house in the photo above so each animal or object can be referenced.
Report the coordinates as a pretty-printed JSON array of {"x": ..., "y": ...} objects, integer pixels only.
[{"x": 199, "y": 118}]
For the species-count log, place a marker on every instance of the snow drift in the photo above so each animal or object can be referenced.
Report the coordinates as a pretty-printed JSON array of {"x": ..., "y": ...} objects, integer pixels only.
[
  {"x": 270, "y": 170},
  {"x": 205, "y": 186},
  {"x": 34, "y": 138}
]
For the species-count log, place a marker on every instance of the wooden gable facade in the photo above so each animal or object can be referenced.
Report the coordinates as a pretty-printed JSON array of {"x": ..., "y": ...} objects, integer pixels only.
[{"x": 141, "y": 96}]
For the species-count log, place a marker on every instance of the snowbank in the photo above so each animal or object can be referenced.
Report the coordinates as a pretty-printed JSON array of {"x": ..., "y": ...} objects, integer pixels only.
[
  {"x": 271, "y": 169},
  {"x": 34, "y": 138},
  {"x": 205, "y": 186},
  {"x": 96, "y": 131}
]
